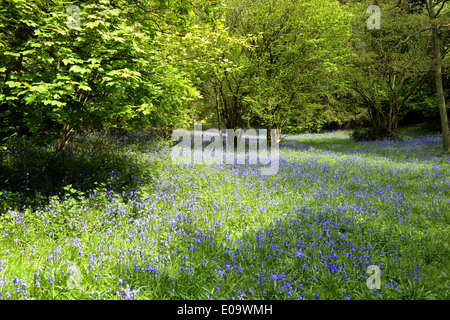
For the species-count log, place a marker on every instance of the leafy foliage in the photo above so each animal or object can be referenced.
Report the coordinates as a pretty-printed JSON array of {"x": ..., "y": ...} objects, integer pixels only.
[
  {"x": 391, "y": 63},
  {"x": 114, "y": 70}
]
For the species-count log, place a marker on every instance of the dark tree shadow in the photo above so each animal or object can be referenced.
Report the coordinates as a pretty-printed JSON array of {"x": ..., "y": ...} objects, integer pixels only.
[{"x": 32, "y": 172}]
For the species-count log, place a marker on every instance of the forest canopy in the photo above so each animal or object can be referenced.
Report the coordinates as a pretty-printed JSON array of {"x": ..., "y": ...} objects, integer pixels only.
[{"x": 292, "y": 65}]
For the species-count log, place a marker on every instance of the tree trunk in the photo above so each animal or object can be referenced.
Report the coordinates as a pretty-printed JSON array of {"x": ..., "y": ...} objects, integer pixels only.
[
  {"x": 279, "y": 132},
  {"x": 219, "y": 119},
  {"x": 440, "y": 90},
  {"x": 63, "y": 142},
  {"x": 438, "y": 76}
]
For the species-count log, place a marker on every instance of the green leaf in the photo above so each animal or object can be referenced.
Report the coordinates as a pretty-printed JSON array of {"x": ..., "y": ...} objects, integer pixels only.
[
  {"x": 78, "y": 69},
  {"x": 13, "y": 84},
  {"x": 40, "y": 89},
  {"x": 30, "y": 99},
  {"x": 28, "y": 52},
  {"x": 84, "y": 87},
  {"x": 54, "y": 103}
]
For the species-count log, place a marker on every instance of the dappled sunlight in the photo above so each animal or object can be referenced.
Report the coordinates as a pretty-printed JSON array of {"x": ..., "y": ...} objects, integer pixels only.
[{"x": 315, "y": 225}]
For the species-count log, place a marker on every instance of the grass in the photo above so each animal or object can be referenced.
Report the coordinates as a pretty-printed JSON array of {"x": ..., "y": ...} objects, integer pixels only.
[{"x": 128, "y": 224}]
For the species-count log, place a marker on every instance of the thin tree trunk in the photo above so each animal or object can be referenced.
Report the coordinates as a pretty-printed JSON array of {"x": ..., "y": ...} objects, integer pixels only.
[
  {"x": 279, "y": 132},
  {"x": 219, "y": 119},
  {"x": 438, "y": 76},
  {"x": 63, "y": 142},
  {"x": 440, "y": 91}
]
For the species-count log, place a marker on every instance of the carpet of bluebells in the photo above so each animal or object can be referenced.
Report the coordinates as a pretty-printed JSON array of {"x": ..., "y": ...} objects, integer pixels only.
[{"x": 122, "y": 222}]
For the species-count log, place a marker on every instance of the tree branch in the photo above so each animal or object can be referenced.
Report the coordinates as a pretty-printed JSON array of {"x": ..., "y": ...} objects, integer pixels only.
[
  {"x": 411, "y": 35},
  {"x": 398, "y": 4},
  {"x": 411, "y": 90},
  {"x": 440, "y": 8}
]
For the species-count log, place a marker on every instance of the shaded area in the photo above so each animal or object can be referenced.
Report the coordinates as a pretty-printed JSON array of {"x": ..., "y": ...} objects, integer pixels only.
[{"x": 32, "y": 171}]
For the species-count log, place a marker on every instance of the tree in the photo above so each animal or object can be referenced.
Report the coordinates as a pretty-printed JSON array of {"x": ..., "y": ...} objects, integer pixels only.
[
  {"x": 431, "y": 5},
  {"x": 111, "y": 70},
  {"x": 298, "y": 49},
  {"x": 205, "y": 54},
  {"x": 387, "y": 69}
]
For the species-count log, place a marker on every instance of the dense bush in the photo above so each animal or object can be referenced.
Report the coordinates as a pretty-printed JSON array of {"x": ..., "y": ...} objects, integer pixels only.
[{"x": 373, "y": 134}]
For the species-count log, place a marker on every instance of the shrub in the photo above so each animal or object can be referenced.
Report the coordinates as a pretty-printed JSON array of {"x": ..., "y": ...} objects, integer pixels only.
[{"x": 372, "y": 134}]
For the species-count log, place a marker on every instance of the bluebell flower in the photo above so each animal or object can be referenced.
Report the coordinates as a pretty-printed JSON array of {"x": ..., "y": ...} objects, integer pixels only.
[{"x": 300, "y": 254}]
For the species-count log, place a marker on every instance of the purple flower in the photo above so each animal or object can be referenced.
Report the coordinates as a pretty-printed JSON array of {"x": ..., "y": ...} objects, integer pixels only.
[
  {"x": 299, "y": 254},
  {"x": 127, "y": 293}
]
